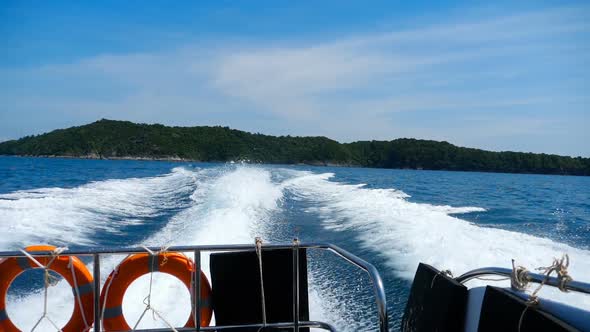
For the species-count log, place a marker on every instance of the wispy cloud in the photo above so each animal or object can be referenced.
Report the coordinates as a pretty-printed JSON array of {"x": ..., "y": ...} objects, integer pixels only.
[
  {"x": 385, "y": 63},
  {"x": 380, "y": 85}
]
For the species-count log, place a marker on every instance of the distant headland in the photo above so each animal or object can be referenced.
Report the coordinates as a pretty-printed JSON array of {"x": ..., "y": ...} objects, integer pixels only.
[{"x": 109, "y": 139}]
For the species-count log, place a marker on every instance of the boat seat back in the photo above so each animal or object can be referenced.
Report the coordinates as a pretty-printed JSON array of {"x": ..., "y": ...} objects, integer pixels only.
[
  {"x": 236, "y": 293},
  {"x": 436, "y": 302},
  {"x": 502, "y": 310}
]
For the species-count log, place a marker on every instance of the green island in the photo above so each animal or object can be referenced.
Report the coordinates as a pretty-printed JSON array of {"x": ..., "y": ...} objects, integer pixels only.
[{"x": 109, "y": 139}]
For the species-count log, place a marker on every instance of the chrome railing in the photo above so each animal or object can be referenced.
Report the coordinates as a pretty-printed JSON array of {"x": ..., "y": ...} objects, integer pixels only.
[
  {"x": 572, "y": 285},
  {"x": 95, "y": 253}
]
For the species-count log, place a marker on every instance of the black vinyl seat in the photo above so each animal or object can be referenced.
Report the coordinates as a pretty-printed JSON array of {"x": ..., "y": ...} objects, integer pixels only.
[
  {"x": 436, "y": 302},
  {"x": 501, "y": 311},
  {"x": 440, "y": 303},
  {"x": 235, "y": 281}
]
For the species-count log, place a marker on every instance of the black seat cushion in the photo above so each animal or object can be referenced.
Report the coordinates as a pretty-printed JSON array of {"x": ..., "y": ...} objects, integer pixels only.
[
  {"x": 436, "y": 302},
  {"x": 235, "y": 279},
  {"x": 501, "y": 311}
]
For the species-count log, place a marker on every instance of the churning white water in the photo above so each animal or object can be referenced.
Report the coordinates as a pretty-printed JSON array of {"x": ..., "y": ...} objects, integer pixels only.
[{"x": 222, "y": 205}]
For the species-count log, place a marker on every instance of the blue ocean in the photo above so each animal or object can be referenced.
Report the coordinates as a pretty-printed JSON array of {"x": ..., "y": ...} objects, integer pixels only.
[{"x": 391, "y": 218}]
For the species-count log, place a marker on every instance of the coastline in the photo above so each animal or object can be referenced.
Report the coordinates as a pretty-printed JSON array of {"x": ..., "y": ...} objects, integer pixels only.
[
  {"x": 124, "y": 140},
  {"x": 316, "y": 164},
  {"x": 179, "y": 159}
]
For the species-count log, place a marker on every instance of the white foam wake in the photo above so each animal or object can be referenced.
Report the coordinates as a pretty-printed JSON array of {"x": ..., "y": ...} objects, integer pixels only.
[
  {"x": 235, "y": 204},
  {"x": 71, "y": 216},
  {"x": 407, "y": 233},
  {"x": 232, "y": 208},
  {"x": 230, "y": 205}
]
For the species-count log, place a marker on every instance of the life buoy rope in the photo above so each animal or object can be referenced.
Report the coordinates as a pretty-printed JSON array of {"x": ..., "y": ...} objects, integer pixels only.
[
  {"x": 135, "y": 266},
  {"x": 71, "y": 268}
]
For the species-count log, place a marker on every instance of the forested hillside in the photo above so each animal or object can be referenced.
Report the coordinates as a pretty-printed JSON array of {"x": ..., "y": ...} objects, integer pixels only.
[{"x": 122, "y": 139}]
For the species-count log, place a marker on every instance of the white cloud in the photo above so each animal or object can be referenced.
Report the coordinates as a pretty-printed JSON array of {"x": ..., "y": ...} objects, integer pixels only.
[{"x": 291, "y": 80}]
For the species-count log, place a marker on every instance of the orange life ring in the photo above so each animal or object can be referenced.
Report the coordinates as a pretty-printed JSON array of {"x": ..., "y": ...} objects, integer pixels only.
[
  {"x": 138, "y": 265},
  {"x": 10, "y": 268}
]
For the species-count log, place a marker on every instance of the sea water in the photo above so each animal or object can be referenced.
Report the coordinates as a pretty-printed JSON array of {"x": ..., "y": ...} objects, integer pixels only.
[{"x": 391, "y": 218}]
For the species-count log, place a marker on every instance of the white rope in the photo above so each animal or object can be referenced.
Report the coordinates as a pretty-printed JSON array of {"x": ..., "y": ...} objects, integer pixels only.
[
  {"x": 148, "y": 299},
  {"x": 50, "y": 321},
  {"x": 49, "y": 280},
  {"x": 157, "y": 313},
  {"x": 77, "y": 291},
  {"x": 108, "y": 288},
  {"x": 258, "y": 242},
  {"x": 193, "y": 267},
  {"x": 151, "y": 252},
  {"x": 447, "y": 273},
  {"x": 492, "y": 279},
  {"x": 519, "y": 279},
  {"x": 32, "y": 258},
  {"x": 140, "y": 318},
  {"x": 559, "y": 266}
]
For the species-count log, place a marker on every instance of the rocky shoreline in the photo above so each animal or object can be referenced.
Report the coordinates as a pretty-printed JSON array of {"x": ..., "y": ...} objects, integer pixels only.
[{"x": 93, "y": 156}]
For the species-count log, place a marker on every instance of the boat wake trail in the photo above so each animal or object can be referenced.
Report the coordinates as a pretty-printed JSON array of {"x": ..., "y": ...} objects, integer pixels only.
[
  {"x": 406, "y": 233},
  {"x": 235, "y": 203},
  {"x": 75, "y": 216},
  {"x": 230, "y": 205},
  {"x": 223, "y": 205}
]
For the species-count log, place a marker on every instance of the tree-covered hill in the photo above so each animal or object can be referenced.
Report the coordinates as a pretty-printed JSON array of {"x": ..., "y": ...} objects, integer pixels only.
[{"x": 122, "y": 139}]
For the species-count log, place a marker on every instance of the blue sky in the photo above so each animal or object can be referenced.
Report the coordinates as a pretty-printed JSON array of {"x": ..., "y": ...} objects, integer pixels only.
[{"x": 501, "y": 75}]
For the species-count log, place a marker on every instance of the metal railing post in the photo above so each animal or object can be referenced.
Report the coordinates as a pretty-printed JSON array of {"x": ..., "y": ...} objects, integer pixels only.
[
  {"x": 573, "y": 285},
  {"x": 96, "y": 271},
  {"x": 296, "y": 285},
  {"x": 376, "y": 280},
  {"x": 197, "y": 290}
]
